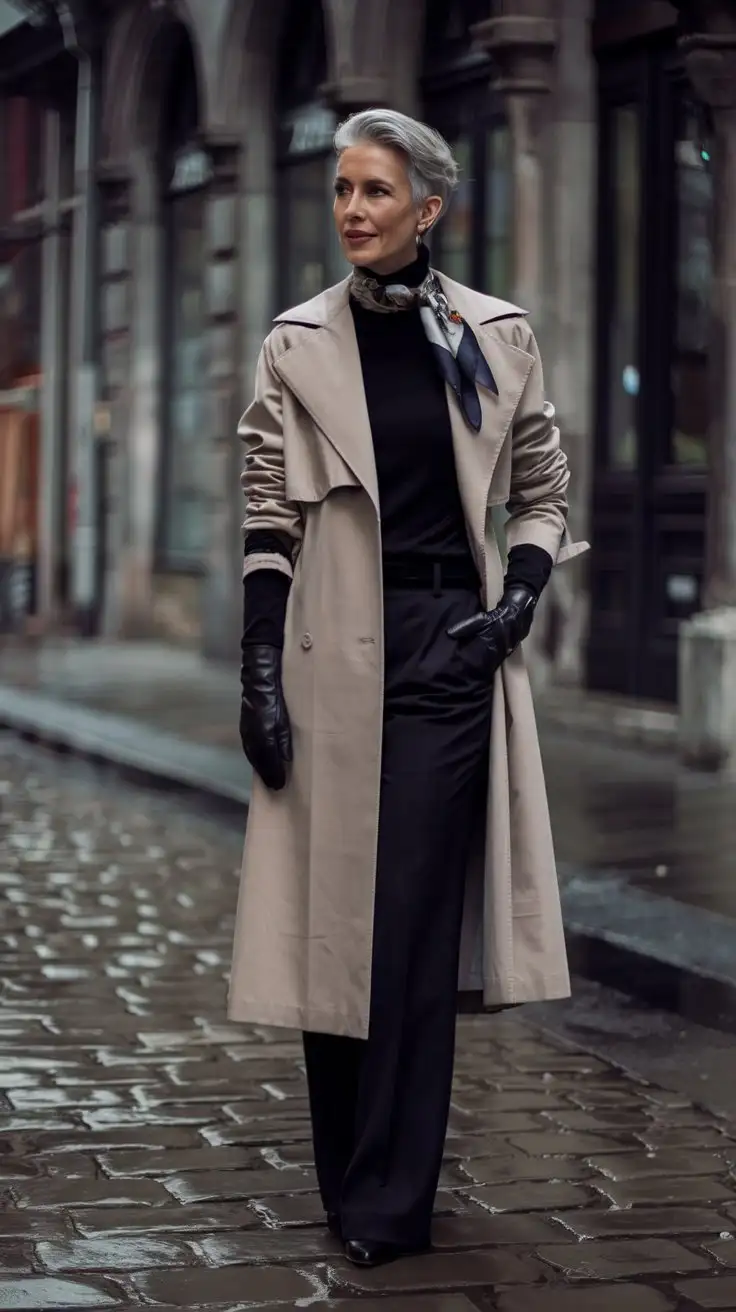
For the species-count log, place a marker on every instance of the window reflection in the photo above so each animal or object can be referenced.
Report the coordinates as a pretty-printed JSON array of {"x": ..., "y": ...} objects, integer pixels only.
[
  {"x": 184, "y": 473},
  {"x": 308, "y": 260},
  {"x": 455, "y": 233},
  {"x": 498, "y": 212},
  {"x": 184, "y": 520},
  {"x": 689, "y": 372},
  {"x": 623, "y": 352},
  {"x": 305, "y": 200}
]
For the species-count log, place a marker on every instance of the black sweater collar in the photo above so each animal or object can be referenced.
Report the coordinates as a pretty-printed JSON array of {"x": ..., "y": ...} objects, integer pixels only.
[{"x": 410, "y": 276}]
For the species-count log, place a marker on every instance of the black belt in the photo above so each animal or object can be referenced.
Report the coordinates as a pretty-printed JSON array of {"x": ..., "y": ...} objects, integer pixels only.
[{"x": 423, "y": 572}]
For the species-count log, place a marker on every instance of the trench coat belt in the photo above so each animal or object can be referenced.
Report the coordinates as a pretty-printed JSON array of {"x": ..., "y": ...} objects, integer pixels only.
[{"x": 414, "y": 571}]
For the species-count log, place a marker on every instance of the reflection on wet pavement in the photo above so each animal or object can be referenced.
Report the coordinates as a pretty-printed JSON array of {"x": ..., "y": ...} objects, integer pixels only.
[
  {"x": 154, "y": 1155},
  {"x": 670, "y": 830}
]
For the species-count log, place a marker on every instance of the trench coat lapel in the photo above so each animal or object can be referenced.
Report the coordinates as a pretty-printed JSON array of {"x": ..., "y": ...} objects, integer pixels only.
[
  {"x": 323, "y": 371},
  {"x": 476, "y": 454}
]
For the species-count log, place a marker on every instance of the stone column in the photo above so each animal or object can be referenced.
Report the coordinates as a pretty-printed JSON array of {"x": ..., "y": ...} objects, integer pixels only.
[
  {"x": 115, "y": 346},
  {"x": 85, "y": 545},
  {"x": 534, "y": 56},
  {"x": 221, "y": 595},
  {"x": 140, "y": 299},
  {"x": 53, "y": 491},
  {"x": 569, "y": 317},
  {"x": 522, "y": 39},
  {"x": 708, "y": 640},
  {"x": 351, "y": 93}
]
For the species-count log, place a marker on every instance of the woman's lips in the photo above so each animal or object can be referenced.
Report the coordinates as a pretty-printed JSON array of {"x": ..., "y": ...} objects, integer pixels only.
[{"x": 357, "y": 238}]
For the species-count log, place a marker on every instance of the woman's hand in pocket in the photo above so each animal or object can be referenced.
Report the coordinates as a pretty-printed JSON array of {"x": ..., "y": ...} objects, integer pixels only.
[{"x": 503, "y": 628}]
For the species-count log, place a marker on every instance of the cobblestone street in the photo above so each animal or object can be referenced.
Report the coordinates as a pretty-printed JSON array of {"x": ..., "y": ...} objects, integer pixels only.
[{"x": 152, "y": 1154}]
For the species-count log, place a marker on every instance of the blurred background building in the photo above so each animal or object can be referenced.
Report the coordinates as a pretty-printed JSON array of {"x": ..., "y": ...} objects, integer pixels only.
[{"x": 166, "y": 189}]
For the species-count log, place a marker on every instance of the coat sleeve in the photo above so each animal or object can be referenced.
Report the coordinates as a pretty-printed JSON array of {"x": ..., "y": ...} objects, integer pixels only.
[
  {"x": 537, "y": 504},
  {"x": 263, "y": 479}
]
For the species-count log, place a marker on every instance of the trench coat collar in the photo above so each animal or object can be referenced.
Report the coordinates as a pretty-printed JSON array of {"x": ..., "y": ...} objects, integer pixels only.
[{"x": 322, "y": 368}]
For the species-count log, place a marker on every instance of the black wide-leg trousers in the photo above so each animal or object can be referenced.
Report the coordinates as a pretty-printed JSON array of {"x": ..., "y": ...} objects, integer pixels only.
[{"x": 380, "y": 1106}]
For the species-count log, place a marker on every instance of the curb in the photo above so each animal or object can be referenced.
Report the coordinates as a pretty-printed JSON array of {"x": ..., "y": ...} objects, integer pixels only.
[
  {"x": 161, "y": 759},
  {"x": 678, "y": 958},
  {"x": 672, "y": 956}
]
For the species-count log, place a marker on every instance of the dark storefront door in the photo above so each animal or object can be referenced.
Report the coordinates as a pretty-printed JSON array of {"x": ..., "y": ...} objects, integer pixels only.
[{"x": 652, "y": 398}]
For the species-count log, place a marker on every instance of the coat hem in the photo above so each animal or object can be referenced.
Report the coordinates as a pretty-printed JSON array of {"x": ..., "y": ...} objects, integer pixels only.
[
  {"x": 245, "y": 1011},
  {"x": 554, "y": 988}
]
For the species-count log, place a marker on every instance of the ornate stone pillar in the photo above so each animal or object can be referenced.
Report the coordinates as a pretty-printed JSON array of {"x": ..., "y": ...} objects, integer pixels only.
[
  {"x": 708, "y": 641},
  {"x": 522, "y": 39},
  {"x": 352, "y": 93},
  {"x": 221, "y": 594}
]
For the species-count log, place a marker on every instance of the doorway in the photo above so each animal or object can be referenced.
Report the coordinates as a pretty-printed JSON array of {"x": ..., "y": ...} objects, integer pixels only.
[{"x": 652, "y": 398}]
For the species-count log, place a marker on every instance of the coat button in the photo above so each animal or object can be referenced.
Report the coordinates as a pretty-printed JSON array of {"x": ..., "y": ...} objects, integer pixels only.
[{"x": 307, "y": 641}]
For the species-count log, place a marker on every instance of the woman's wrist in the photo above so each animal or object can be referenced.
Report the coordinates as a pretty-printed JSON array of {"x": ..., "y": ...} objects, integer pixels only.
[
  {"x": 530, "y": 566},
  {"x": 265, "y": 596}
]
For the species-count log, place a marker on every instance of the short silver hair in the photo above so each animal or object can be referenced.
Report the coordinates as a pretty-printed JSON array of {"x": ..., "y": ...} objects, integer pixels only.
[{"x": 431, "y": 165}]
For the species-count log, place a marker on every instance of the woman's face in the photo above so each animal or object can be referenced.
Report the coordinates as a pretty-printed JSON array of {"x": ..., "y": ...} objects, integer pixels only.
[{"x": 377, "y": 218}]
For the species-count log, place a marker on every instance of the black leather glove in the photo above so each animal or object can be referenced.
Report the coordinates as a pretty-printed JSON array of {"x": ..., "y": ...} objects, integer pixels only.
[
  {"x": 502, "y": 629},
  {"x": 265, "y": 731}
]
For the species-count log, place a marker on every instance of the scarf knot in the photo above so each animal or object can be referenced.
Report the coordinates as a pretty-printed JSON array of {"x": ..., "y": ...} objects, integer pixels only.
[{"x": 454, "y": 345}]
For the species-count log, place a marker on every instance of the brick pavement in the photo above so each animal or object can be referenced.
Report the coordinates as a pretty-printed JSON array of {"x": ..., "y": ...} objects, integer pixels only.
[{"x": 154, "y": 1155}]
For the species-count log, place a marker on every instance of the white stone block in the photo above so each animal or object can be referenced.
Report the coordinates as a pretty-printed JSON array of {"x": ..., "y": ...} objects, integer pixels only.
[
  {"x": 220, "y": 225},
  {"x": 115, "y": 254},
  {"x": 707, "y": 661}
]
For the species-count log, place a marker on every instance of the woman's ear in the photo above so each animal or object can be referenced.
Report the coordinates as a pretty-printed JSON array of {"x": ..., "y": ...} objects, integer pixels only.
[{"x": 430, "y": 212}]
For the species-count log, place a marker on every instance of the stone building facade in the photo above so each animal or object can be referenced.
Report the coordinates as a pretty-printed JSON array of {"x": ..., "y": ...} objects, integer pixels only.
[{"x": 202, "y": 182}]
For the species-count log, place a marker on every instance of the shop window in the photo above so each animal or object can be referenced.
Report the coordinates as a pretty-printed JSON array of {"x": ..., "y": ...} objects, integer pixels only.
[
  {"x": 693, "y": 280},
  {"x": 497, "y": 227},
  {"x": 183, "y": 533},
  {"x": 454, "y": 240},
  {"x": 309, "y": 258},
  {"x": 448, "y": 34},
  {"x": 652, "y": 394},
  {"x": 21, "y": 124},
  {"x": 623, "y": 345}
]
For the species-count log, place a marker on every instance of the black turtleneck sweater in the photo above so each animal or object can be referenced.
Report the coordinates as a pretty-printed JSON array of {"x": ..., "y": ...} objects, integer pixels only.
[{"x": 421, "y": 510}]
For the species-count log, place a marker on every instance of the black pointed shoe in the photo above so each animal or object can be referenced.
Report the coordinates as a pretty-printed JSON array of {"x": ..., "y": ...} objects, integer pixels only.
[
  {"x": 371, "y": 1252},
  {"x": 333, "y": 1225}
]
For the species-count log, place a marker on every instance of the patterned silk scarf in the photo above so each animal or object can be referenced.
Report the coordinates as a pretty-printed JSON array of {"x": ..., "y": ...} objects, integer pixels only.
[{"x": 454, "y": 344}]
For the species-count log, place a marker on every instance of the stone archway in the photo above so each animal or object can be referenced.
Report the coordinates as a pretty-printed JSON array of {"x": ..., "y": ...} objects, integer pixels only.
[{"x": 138, "y": 46}]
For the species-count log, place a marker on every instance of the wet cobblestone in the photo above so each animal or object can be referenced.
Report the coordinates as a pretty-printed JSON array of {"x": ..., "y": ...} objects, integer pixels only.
[{"x": 151, "y": 1154}]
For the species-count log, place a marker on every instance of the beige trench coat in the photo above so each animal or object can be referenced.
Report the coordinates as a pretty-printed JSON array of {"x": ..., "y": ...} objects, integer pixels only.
[{"x": 302, "y": 952}]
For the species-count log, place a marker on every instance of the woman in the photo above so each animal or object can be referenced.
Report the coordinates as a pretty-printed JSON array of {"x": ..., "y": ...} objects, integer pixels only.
[{"x": 390, "y": 807}]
